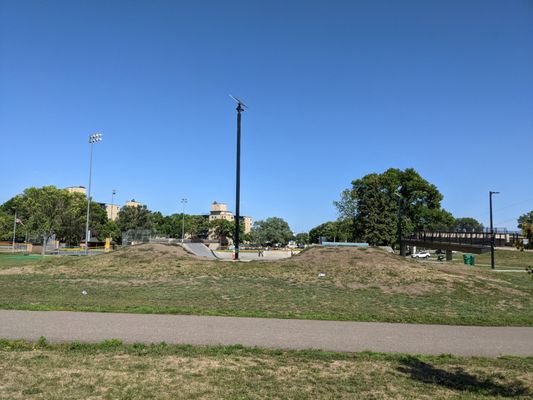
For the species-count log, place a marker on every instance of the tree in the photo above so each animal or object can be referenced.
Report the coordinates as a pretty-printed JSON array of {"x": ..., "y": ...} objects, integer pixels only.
[
  {"x": 377, "y": 198},
  {"x": 6, "y": 225},
  {"x": 111, "y": 230},
  {"x": 302, "y": 238},
  {"x": 51, "y": 211},
  {"x": 222, "y": 229},
  {"x": 333, "y": 231},
  {"x": 347, "y": 211},
  {"x": 271, "y": 231},
  {"x": 525, "y": 222},
  {"x": 197, "y": 226},
  {"x": 467, "y": 224},
  {"x": 135, "y": 218}
]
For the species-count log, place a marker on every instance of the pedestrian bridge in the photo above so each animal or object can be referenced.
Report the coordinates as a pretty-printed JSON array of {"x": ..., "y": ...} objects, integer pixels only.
[{"x": 467, "y": 242}]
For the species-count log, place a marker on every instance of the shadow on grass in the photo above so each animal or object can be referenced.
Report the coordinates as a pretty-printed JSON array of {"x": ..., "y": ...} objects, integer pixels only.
[{"x": 458, "y": 379}]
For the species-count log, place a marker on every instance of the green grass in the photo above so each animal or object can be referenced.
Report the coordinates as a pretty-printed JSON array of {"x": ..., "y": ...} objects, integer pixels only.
[
  {"x": 12, "y": 260},
  {"x": 504, "y": 259},
  {"x": 113, "y": 370},
  {"x": 359, "y": 285}
]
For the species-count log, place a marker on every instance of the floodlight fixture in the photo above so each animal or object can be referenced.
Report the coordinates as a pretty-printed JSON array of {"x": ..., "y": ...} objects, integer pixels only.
[{"x": 95, "y": 137}]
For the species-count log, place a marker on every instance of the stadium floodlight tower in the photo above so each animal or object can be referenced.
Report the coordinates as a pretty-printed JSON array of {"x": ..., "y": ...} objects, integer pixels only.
[
  {"x": 94, "y": 138},
  {"x": 240, "y": 108}
]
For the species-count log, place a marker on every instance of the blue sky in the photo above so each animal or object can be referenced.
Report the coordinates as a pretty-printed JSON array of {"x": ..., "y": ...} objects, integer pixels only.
[{"x": 336, "y": 90}]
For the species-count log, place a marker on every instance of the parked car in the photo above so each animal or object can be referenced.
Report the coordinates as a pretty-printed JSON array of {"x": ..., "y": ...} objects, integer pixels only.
[{"x": 421, "y": 254}]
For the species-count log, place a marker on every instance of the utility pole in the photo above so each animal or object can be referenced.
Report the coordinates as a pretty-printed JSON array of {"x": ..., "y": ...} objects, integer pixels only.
[
  {"x": 113, "y": 193},
  {"x": 492, "y": 236},
  {"x": 400, "y": 235},
  {"x": 94, "y": 138},
  {"x": 14, "y": 231},
  {"x": 240, "y": 108},
  {"x": 183, "y": 202}
]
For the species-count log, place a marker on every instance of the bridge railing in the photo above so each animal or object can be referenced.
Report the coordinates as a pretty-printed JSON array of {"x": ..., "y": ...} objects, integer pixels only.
[{"x": 465, "y": 238}]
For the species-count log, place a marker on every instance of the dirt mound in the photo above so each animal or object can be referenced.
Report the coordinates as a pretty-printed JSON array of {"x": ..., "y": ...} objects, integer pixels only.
[
  {"x": 154, "y": 250},
  {"x": 358, "y": 267},
  {"x": 348, "y": 256}
]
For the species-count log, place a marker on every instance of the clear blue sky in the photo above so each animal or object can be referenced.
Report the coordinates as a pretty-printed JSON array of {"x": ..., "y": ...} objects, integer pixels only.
[{"x": 336, "y": 90}]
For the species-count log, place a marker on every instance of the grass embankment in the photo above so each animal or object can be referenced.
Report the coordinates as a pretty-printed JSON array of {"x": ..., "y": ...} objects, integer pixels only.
[
  {"x": 359, "y": 284},
  {"x": 112, "y": 370}
]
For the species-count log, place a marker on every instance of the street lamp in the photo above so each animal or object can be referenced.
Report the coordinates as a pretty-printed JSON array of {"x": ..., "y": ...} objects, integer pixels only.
[
  {"x": 400, "y": 236},
  {"x": 240, "y": 108},
  {"x": 94, "y": 138},
  {"x": 491, "y": 231},
  {"x": 113, "y": 193},
  {"x": 183, "y": 202}
]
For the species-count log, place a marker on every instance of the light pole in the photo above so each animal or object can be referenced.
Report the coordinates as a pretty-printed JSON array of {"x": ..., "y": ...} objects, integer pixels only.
[
  {"x": 94, "y": 138},
  {"x": 113, "y": 193},
  {"x": 400, "y": 236},
  {"x": 240, "y": 108},
  {"x": 491, "y": 231},
  {"x": 14, "y": 231},
  {"x": 183, "y": 202}
]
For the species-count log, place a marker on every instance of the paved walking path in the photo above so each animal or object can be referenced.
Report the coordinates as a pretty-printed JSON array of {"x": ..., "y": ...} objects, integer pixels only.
[{"x": 61, "y": 326}]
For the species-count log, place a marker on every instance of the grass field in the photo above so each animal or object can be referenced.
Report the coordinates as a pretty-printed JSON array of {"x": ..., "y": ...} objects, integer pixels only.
[
  {"x": 504, "y": 259},
  {"x": 112, "y": 370},
  {"x": 359, "y": 284}
]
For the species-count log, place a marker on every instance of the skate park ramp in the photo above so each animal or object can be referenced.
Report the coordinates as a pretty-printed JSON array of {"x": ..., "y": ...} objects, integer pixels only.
[{"x": 199, "y": 249}]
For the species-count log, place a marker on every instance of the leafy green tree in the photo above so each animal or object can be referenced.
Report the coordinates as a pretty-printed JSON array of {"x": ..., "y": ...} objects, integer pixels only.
[
  {"x": 377, "y": 198},
  {"x": 222, "y": 229},
  {"x": 6, "y": 225},
  {"x": 197, "y": 226},
  {"x": 271, "y": 231},
  {"x": 302, "y": 238},
  {"x": 467, "y": 224},
  {"x": 50, "y": 211},
  {"x": 525, "y": 222},
  {"x": 333, "y": 231},
  {"x": 347, "y": 210},
  {"x": 111, "y": 230},
  {"x": 159, "y": 223},
  {"x": 136, "y": 218}
]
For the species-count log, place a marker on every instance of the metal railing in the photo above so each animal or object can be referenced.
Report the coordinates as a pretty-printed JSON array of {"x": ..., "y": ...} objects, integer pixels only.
[{"x": 465, "y": 238}]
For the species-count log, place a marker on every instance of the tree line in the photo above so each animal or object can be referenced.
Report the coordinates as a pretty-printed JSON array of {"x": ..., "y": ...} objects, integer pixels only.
[
  {"x": 372, "y": 210},
  {"x": 49, "y": 211}
]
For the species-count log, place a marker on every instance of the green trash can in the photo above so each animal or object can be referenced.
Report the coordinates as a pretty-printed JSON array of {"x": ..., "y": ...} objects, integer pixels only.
[
  {"x": 469, "y": 259},
  {"x": 472, "y": 260}
]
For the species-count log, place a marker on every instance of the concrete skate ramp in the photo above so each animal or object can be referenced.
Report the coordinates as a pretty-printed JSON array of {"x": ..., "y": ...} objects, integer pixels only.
[{"x": 199, "y": 249}]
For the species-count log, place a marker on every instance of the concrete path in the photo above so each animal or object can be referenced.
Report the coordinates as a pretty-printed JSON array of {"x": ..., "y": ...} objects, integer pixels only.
[
  {"x": 59, "y": 326},
  {"x": 249, "y": 256}
]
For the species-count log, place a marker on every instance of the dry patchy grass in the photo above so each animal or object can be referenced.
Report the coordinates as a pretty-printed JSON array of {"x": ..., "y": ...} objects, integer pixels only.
[{"x": 184, "y": 372}]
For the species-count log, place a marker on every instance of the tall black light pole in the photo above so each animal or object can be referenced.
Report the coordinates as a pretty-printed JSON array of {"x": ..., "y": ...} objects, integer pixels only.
[
  {"x": 240, "y": 108},
  {"x": 491, "y": 231},
  {"x": 400, "y": 236}
]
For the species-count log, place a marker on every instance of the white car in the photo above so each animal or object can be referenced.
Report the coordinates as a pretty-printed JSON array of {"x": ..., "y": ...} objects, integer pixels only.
[{"x": 421, "y": 254}]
